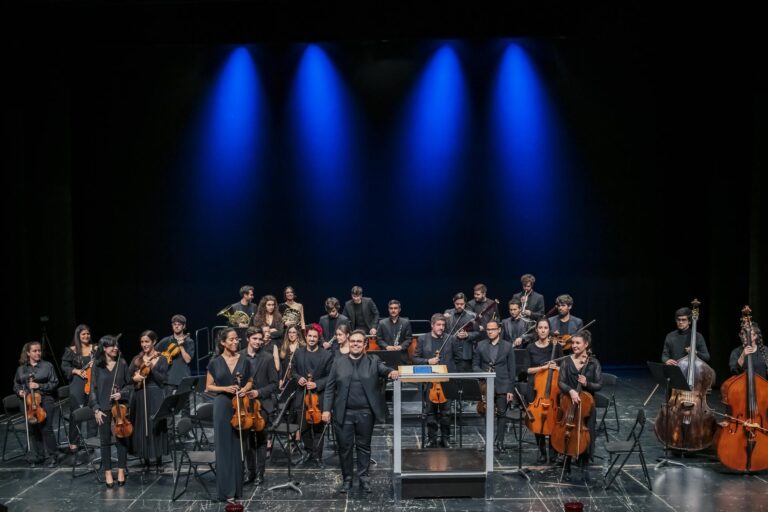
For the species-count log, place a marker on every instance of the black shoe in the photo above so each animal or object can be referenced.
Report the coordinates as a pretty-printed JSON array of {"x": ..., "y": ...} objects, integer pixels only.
[
  {"x": 432, "y": 443},
  {"x": 251, "y": 478},
  {"x": 444, "y": 443},
  {"x": 365, "y": 486},
  {"x": 109, "y": 484},
  {"x": 120, "y": 483},
  {"x": 345, "y": 486},
  {"x": 259, "y": 478}
]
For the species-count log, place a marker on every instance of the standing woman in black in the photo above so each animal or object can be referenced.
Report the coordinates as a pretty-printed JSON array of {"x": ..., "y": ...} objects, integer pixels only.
[
  {"x": 110, "y": 383},
  {"x": 222, "y": 381},
  {"x": 38, "y": 375},
  {"x": 148, "y": 372},
  {"x": 572, "y": 374},
  {"x": 75, "y": 364}
]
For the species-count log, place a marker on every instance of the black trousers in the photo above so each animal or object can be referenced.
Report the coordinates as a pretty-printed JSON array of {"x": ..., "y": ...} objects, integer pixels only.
[
  {"x": 355, "y": 432},
  {"x": 438, "y": 414},
  {"x": 501, "y": 405},
  {"x": 41, "y": 439},
  {"x": 256, "y": 453},
  {"x": 105, "y": 436}
]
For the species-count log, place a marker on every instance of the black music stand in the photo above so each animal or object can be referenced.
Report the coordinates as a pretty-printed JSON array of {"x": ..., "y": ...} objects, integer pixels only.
[
  {"x": 168, "y": 408},
  {"x": 522, "y": 408},
  {"x": 291, "y": 388},
  {"x": 466, "y": 389},
  {"x": 671, "y": 377}
]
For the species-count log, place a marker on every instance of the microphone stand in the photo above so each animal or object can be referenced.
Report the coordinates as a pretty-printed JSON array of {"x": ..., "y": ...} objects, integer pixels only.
[{"x": 290, "y": 484}]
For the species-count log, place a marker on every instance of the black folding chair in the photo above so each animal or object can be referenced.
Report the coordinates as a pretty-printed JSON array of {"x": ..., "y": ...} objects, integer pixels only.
[
  {"x": 62, "y": 405},
  {"x": 193, "y": 459},
  {"x": 89, "y": 445},
  {"x": 201, "y": 419},
  {"x": 631, "y": 445},
  {"x": 606, "y": 399},
  {"x": 14, "y": 423}
]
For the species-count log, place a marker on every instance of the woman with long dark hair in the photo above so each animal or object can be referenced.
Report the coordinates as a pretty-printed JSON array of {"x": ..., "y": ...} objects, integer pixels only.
[
  {"x": 110, "y": 383},
  {"x": 267, "y": 315},
  {"x": 148, "y": 371},
  {"x": 76, "y": 366}
]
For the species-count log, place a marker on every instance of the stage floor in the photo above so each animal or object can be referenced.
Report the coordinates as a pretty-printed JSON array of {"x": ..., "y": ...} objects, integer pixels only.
[{"x": 705, "y": 485}]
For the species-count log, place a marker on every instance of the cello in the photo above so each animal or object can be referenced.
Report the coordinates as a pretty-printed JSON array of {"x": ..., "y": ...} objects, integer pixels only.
[
  {"x": 685, "y": 422},
  {"x": 541, "y": 419},
  {"x": 742, "y": 441},
  {"x": 570, "y": 435}
]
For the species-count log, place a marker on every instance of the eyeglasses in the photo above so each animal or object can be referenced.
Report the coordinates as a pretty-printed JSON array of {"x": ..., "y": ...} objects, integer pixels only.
[
  {"x": 492, "y": 329},
  {"x": 356, "y": 341}
]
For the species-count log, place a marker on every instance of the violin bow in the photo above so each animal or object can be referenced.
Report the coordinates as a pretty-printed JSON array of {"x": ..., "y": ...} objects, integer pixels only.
[{"x": 239, "y": 423}]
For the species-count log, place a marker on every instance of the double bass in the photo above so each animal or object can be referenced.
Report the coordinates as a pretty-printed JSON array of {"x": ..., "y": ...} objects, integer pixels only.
[
  {"x": 742, "y": 441},
  {"x": 570, "y": 435},
  {"x": 542, "y": 410},
  {"x": 685, "y": 422}
]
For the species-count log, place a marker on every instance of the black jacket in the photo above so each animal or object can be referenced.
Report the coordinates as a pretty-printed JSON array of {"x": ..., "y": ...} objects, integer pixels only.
[
  {"x": 337, "y": 386},
  {"x": 319, "y": 372},
  {"x": 504, "y": 364},
  {"x": 535, "y": 304},
  {"x": 453, "y": 324},
  {"x": 370, "y": 313},
  {"x": 325, "y": 324},
  {"x": 264, "y": 376},
  {"x": 387, "y": 332},
  {"x": 512, "y": 329},
  {"x": 426, "y": 346}
]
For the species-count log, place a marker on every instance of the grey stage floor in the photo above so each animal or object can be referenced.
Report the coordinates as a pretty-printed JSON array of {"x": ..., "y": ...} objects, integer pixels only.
[{"x": 704, "y": 485}]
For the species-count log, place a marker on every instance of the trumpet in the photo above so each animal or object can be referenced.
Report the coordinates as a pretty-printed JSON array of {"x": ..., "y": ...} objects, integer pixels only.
[{"x": 234, "y": 318}]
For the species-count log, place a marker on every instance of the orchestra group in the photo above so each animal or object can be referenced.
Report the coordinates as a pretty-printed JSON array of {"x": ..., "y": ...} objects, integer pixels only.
[{"x": 327, "y": 375}]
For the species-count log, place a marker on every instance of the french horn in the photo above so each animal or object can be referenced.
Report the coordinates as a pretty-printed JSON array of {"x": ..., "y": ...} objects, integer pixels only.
[{"x": 234, "y": 318}]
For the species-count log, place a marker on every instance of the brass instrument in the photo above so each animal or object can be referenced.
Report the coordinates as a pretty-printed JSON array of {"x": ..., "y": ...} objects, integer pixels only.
[
  {"x": 291, "y": 316},
  {"x": 234, "y": 318}
]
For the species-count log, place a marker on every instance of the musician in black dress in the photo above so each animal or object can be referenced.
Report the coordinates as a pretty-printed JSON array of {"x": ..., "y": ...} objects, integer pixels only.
[
  {"x": 532, "y": 302},
  {"x": 148, "y": 371},
  {"x": 459, "y": 324},
  {"x": 677, "y": 343},
  {"x": 542, "y": 354},
  {"x": 264, "y": 377},
  {"x": 267, "y": 315},
  {"x": 755, "y": 346},
  {"x": 222, "y": 380},
  {"x": 515, "y": 329},
  {"x": 497, "y": 355},
  {"x": 591, "y": 379},
  {"x": 352, "y": 394},
  {"x": 38, "y": 375},
  {"x": 179, "y": 347},
  {"x": 436, "y": 347},
  {"x": 312, "y": 366},
  {"x": 110, "y": 383},
  {"x": 394, "y": 332},
  {"x": 75, "y": 363}
]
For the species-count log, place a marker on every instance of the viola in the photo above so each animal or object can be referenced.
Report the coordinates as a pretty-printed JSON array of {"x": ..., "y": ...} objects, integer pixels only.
[
  {"x": 121, "y": 425},
  {"x": 242, "y": 417},
  {"x": 742, "y": 441},
  {"x": 259, "y": 423},
  {"x": 87, "y": 388},
  {"x": 372, "y": 343},
  {"x": 542, "y": 416},
  {"x": 570, "y": 435},
  {"x": 685, "y": 422},
  {"x": 565, "y": 339},
  {"x": 34, "y": 411},
  {"x": 312, "y": 412},
  {"x": 171, "y": 352},
  {"x": 145, "y": 369},
  {"x": 436, "y": 395}
]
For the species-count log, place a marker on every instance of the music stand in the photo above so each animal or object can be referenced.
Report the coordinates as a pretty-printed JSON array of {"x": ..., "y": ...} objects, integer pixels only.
[
  {"x": 671, "y": 377},
  {"x": 465, "y": 389},
  {"x": 522, "y": 408},
  {"x": 188, "y": 384},
  {"x": 168, "y": 407},
  {"x": 291, "y": 387}
]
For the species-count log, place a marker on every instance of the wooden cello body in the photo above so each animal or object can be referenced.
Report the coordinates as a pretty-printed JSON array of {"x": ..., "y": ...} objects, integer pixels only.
[
  {"x": 742, "y": 441},
  {"x": 570, "y": 435},
  {"x": 543, "y": 408},
  {"x": 685, "y": 422}
]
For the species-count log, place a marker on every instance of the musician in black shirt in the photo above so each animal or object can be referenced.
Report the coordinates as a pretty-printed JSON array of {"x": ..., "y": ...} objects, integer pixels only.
[
  {"x": 459, "y": 324},
  {"x": 738, "y": 361},
  {"x": 516, "y": 329},
  {"x": 532, "y": 302},
  {"x": 394, "y": 332},
  {"x": 481, "y": 305},
  {"x": 677, "y": 343}
]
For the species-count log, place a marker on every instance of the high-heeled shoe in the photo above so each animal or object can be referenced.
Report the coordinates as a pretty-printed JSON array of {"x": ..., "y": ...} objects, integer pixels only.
[
  {"x": 120, "y": 483},
  {"x": 109, "y": 484}
]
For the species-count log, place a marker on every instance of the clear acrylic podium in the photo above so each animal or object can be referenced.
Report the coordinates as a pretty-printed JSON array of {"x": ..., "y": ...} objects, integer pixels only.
[{"x": 442, "y": 472}]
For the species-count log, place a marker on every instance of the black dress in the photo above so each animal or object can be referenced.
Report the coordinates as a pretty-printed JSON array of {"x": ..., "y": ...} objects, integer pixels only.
[
  {"x": 229, "y": 465},
  {"x": 150, "y": 445},
  {"x": 77, "y": 397}
]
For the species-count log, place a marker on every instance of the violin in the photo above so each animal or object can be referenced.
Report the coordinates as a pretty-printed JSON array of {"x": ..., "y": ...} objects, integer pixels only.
[
  {"x": 34, "y": 411},
  {"x": 565, "y": 339},
  {"x": 171, "y": 352},
  {"x": 372, "y": 343},
  {"x": 479, "y": 317},
  {"x": 145, "y": 369},
  {"x": 121, "y": 425},
  {"x": 570, "y": 435},
  {"x": 686, "y": 422},
  {"x": 87, "y": 368},
  {"x": 242, "y": 418},
  {"x": 312, "y": 412},
  {"x": 436, "y": 395},
  {"x": 259, "y": 423},
  {"x": 742, "y": 441}
]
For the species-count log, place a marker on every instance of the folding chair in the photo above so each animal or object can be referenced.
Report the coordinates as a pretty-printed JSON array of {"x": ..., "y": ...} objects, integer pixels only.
[
  {"x": 193, "y": 458},
  {"x": 13, "y": 422},
  {"x": 62, "y": 404},
  {"x": 632, "y": 444},
  {"x": 202, "y": 418},
  {"x": 89, "y": 445},
  {"x": 606, "y": 400}
]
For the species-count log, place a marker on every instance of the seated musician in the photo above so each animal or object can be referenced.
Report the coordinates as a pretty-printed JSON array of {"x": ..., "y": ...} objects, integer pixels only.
[
  {"x": 738, "y": 361},
  {"x": 264, "y": 375},
  {"x": 515, "y": 328},
  {"x": 677, "y": 342},
  {"x": 591, "y": 379},
  {"x": 394, "y": 332},
  {"x": 540, "y": 354},
  {"x": 564, "y": 322},
  {"x": 312, "y": 367},
  {"x": 497, "y": 355},
  {"x": 435, "y": 347},
  {"x": 459, "y": 324}
]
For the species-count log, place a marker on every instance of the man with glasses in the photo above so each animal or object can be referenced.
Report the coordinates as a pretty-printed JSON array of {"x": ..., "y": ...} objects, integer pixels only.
[
  {"x": 351, "y": 392},
  {"x": 677, "y": 343},
  {"x": 497, "y": 355}
]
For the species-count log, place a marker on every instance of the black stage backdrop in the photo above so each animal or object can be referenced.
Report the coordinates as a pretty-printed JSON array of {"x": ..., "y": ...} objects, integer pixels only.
[{"x": 660, "y": 202}]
